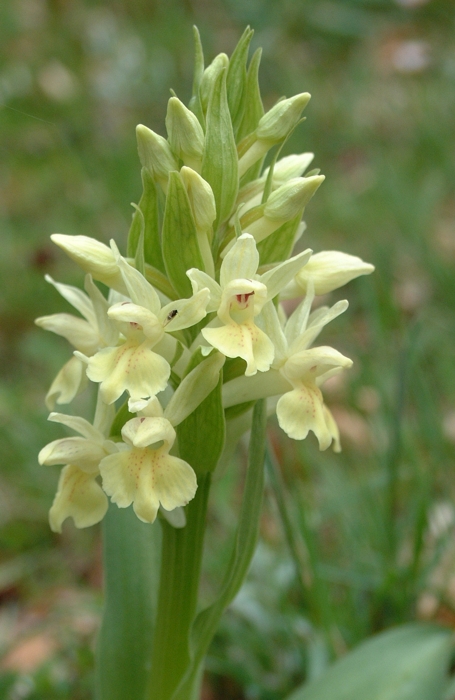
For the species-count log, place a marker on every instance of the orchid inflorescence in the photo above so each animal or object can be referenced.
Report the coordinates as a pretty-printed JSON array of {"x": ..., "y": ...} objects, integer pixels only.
[{"x": 195, "y": 307}]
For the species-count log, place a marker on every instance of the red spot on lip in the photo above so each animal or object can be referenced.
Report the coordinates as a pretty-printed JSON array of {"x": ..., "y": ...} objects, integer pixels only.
[{"x": 243, "y": 298}]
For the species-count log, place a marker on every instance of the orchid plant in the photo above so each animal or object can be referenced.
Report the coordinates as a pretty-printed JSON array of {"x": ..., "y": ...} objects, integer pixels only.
[{"x": 190, "y": 349}]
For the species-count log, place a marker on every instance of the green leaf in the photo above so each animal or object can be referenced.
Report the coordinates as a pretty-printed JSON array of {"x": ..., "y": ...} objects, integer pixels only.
[
  {"x": 253, "y": 109},
  {"x": 195, "y": 102},
  {"x": 158, "y": 280},
  {"x": 278, "y": 246},
  {"x": 406, "y": 663},
  {"x": 201, "y": 435},
  {"x": 121, "y": 417},
  {"x": 220, "y": 162},
  {"x": 236, "y": 78},
  {"x": 147, "y": 220},
  {"x": 181, "y": 560},
  {"x": 207, "y": 621},
  {"x": 131, "y": 553},
  {"x": 180, "y": 245}
]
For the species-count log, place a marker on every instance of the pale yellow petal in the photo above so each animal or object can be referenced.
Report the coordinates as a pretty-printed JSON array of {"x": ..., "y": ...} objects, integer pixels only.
[
  {"x": 130, "y": 367},
  {"x": 143, "y": 431},
  {"x": 185, "y": 313},
  {"x": 244, "y": 340},
  {"x": 69, "y": 382},
  {"x": 241, "y": 261},
  {"x": 300, "y": 411},
  {"x": 76, "y": 330},
  {"x": 333, "y": 428},
  {"x": 146, "y": 478},
  {"x": 78, "y": 496},
  {"x": 78, "y": 451}
]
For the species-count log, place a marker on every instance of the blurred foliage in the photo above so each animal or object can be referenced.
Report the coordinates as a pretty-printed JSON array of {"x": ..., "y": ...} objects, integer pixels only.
[{"x": 370, "y": 532}]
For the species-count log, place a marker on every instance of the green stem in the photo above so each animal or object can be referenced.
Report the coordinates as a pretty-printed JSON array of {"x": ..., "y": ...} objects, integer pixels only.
[
  {"x": 131, "y": 555},
  {"x": 177, "y": 598}
]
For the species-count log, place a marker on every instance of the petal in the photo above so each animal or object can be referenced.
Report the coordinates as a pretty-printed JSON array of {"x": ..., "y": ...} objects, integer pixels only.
[
  {"x": 185, "y": 313},
  {"x": 278, "y": 277},
  {"x": 78, "y": 451},
  {"x": 241, "y": 261},
  {"x": 268, "y": 320},
  {"x": 144, "y": 431},
  {"x": 298, "y": 320},
  {"x": 174, "y": 481},
  {"x": 243, "y": 340},
  {"x": 69, "y": 382},
  {"x": 307, "y": 365},
  {"x": 130, "y": 367},
  {"x": 237, "y": 288},
  {"x": 75, "y": 297},
  {"x": 79, "y": 497},
  {"x": 78, "y": 332},
  {"x": 127, "y": 312},
  {"x": 300, "y": 411},
  {"x": 140, "y": 291},
  {"x": 333, "y": 428},
  {"x": 199, "y": 280},
  {"x": 80, "y": 425},
  {"x": 316, "y": 322},
  {"x": 146, "y": 478},
  {"x": 106, "y": 328}
]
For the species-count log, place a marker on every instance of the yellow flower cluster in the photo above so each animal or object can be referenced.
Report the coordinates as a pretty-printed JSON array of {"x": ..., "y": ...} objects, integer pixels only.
[{"x": 208, "y": 263}]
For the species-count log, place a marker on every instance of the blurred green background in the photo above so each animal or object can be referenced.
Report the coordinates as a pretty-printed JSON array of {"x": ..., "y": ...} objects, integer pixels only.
[{"x": 351, "y": 543}]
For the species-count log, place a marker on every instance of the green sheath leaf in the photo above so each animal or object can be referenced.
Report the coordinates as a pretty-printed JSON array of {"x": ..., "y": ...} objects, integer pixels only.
[
  {"x": 180, "y": 245},
  {"x": 236, "y": 78},
  {"x": 278, "y": 246},
  {"x": 220, "y": 162},
  {"x": 201, "y": 435},
  {"x": 148, "y": 222},
  {"x": 254, "y": 108}
]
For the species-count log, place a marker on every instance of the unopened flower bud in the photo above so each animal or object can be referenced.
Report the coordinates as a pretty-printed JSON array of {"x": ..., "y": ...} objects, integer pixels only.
[
  {"x": 201, "y": 198},
  {"x": 276, "y": 124},
  {"x": 202, "y": 202},
  {"x": 210, "y": 75},
  {"x": 329, "y": 270},
  {"x": 286, "y": 201},
  {"x": 273, "y": 127},
  {"x": 94, "y": 257},
  {"x": 284, "y": 204},
  {"x": 289, "y": 167},
  {"x": 155, "y": 154},
  {"x": 185, "y": 133}
]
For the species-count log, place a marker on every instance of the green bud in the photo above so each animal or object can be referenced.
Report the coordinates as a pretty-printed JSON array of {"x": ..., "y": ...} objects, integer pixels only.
[
  {"x": 155, "y": 154},
  {"x": 209, "y": 77},
  {"x": 285, "y": 203},
  {"x": 290, "y": 198},
  {"x": 273, "y": 127},
  {"x": 185, "y": 134},
  {"x": 201, "y": 198},
  {"x": 289, "y": 167},
  {"x": 202, "y": 203},
  {"x": 276, "y": 124}
]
